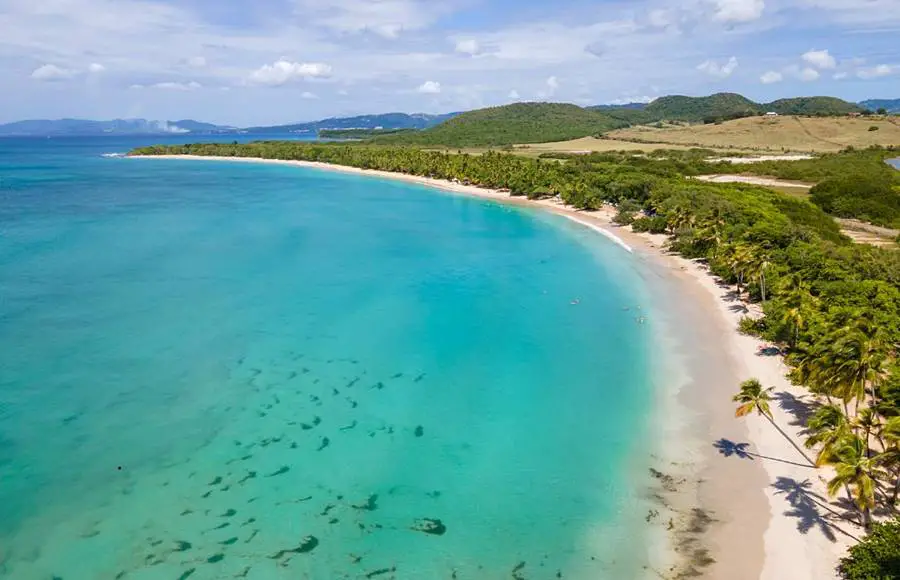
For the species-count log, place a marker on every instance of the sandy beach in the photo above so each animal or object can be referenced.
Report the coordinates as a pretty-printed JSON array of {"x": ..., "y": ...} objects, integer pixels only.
[{"x": 763, "y": 511}]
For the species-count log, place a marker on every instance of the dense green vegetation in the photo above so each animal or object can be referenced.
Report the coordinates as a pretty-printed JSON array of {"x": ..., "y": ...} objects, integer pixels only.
[
  {"x": 854, "y": 184},
  {"x": 726, "y": 106},
  {"x": 720, "y": 106},
  {"x": 871, "y": 198},
  {"x": 359, "y": 133},
  {"x": 877, "y": 556},
  {"x": 833, "y": 307},
  {"x": 812, "y": 106},
  {"x": 516, "y": 123}
]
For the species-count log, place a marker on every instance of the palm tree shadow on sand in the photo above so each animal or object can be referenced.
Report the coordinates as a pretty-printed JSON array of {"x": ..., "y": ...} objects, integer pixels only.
[
  {"x": 811, "y": 509},
  {"x": 729, "y": 448},
  {"x": 797, "y": 408}
]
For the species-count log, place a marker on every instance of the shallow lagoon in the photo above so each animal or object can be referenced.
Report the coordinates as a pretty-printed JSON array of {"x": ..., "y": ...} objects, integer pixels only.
[{"x": 222, "y": 370}]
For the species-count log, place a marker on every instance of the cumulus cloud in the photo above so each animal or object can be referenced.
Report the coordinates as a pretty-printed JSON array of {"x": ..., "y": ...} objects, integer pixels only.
[
  {"x": 645, "y": 99},
  {"x": 430, "y": 88},
  {"x": 513, "y": 94},
  {"x": 819, "y": 59},
  {"x": 735, "y": 11},
  {"x": 808, "y": 75},
  {"x": 51, "y": 72},
  {"x": 713, "y": 69},
  {"x": 308, "y": 95},
  {"x": 176, "y": 86},
  {"x": 878, "y": 71},
  {"x": 284, "y": 71},
  {"x": 95, "y": 67},
  {"x": 839, "y": 76},
  {"x": 552, "y": 84},
  {"x": 197, "y": 61},
  {"x": 468, "y": 46},
  {"x": 771, "y": 77}
]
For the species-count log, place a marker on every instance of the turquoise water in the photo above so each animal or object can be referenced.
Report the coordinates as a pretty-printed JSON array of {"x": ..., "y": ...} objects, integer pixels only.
[{"x": 216, "y": 370}]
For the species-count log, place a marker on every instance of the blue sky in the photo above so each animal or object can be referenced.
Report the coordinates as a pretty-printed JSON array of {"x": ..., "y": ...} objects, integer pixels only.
[{"x": 272, "y": 61}]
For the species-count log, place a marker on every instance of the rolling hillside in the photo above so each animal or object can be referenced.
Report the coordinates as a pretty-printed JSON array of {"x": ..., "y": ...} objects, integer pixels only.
[
  {"x": 516, "y": 123},
  {"x": 772, "y": 134},
  {"x": 727, "y": 106},
  {"x": 695, "y": 109}
]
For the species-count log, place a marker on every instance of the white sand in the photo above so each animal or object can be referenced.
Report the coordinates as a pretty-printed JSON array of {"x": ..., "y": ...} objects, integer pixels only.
[
  {"x": 765, "y": 181},
  {"x": 762, "y": 158},
  {"x": 790, "y": 553}
]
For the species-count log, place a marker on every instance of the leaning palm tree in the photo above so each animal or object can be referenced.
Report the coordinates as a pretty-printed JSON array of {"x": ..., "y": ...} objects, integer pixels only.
[
  {"x": 858, "y": 473},
  {"x": 754, "y": 398}
]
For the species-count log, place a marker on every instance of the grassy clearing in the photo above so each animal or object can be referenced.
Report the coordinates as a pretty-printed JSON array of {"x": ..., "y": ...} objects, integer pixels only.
[
  {"x": 592, "y": 145},
  {"x": 864, "y": 233},
  {"x": 772, "y": 134}
]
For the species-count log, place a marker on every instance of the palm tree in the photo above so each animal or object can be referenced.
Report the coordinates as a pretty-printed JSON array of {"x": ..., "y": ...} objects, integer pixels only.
[
  {"x": 891, "y": 457},
  {"x": 753, "y": 397},
  {"x": 826, "y": 427},
  {"x": 756, "y": 266},
  {"x": 794, "y": 317},
  {"x": 858, "y": 473},
  {"x": 858, "y": 358}
]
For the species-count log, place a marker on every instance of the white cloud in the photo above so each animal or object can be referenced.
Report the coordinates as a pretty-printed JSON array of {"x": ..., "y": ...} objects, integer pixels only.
[
  {"x": 513, "y": 94},
  {"x": 819, "y": 59},
  {"x": 738, "y": 10},
  {"x": 197, "y": 61},
  {"x": 552, "y": 84},
  {"x": 386, "y": 18},
  {"x": 808, "y": 75},
  {"x": 283, "y": 71},
  {"x": 95, "y": 67},
  {"x": 174, "y": 86},
  {"x": 430, "y": 88},
  {"x": 839, "y": 76},
  {"x": 645, "y": 99},
  {"x": 713, "y": 69},
  {"x": 343, "y": 92},
  {"x": 468, "y": 46},
  {"x": 878, "y": 71},
  {"x": 771, "y": 77},
  {"x": 51, "y": 72},
  {"x": 308, "y": 95}
]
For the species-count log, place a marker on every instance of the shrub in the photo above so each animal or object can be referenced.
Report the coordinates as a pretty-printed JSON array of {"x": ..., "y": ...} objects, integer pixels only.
[
  {"x": 654, "y": 225},
  {"x": 627, "y": 209},
  {"x": 876, "y": 557},
  {"x": 873, "y": 128},
  {"x": 751, "y": 326}
]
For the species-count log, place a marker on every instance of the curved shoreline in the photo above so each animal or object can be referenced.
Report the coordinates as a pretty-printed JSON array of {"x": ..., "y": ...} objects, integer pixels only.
[{"x": 754, "y": 529}]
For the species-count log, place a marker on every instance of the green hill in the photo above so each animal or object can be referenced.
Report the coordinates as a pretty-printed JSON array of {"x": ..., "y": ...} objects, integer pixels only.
[
  {"x": 719, "y": 107},
  {"x": 516, "y": 123},
  {"x": 725, "y": 106},
  {"x": 812, "y": 106}
]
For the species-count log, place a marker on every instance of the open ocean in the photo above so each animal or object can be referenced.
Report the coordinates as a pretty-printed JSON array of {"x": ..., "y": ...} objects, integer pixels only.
[{"x": 225, "y": 370}]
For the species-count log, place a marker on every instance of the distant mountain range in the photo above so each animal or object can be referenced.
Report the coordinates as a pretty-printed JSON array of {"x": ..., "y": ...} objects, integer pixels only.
[
  {"x": 712, "y": 108},
  {"x": 59, "y": 127},
  {"x": 889, "y": 105},
  {"x": 383, "y": 121}
]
